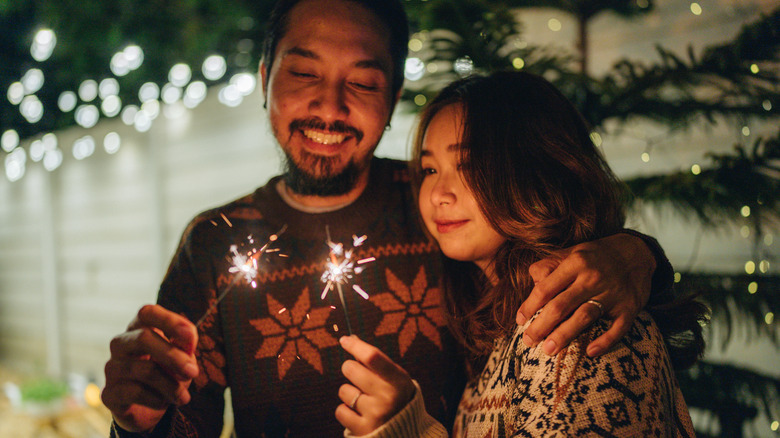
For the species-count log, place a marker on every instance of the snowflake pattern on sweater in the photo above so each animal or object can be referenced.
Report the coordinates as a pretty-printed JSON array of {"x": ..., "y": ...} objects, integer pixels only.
[{"x": 276, "y": 345}]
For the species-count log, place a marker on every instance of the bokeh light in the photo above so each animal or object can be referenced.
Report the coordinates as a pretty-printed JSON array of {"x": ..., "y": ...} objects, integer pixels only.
[
  {"x": 88, "y": 90},
  {"x": 9, "y": 140},
  {"x": 108, "y": 87},
  {"x": 464, "y": 66},
  {"x": 180, "y": 75},
  {"x": 87, "y": 116},
  {"x": 170, "y": 93},
  {"x": 214, "y": 67},
  {"x": 15, "y": 93},
  {"x": 83, "y": 147},
  {"x": 31, "y": 109},
  {"x": 43, "y": 45},
  {"x": 415, "y": 69},
  {"x": 32, "y": 81},
  {"x": 112, "y": 142},
  {"x": 194, "y": 94},
  {"x": 148, "y": 91},
  {"x": 245, "y": 83},
  {"x": 52, "y": 159},
  {"x": 15, "y": 164},
  {"x": 67, "y": 101},
  {"x": 111, "y": 106}
]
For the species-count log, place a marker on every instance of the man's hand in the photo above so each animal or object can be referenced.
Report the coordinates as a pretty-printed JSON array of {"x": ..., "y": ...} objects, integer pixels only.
[
  {"x": 151, "y": 367},
  {"x": 615, "y": 271},
  {"x": 379, "y": 388}
]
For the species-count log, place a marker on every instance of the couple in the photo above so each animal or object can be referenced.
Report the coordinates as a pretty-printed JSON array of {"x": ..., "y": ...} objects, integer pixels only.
[{"x": 332, "y": 72}]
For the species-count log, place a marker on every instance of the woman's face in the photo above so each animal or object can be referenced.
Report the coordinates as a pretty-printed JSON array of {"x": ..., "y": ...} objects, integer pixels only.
[{"x": 447, "y": 205}]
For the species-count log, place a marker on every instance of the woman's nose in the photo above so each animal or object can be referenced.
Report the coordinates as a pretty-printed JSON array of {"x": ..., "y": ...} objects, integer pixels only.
[{"x": 443, "y": 192}]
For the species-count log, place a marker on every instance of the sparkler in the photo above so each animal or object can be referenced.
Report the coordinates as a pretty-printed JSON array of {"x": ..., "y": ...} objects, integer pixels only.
[
  {"x": 340, "y": 268},
  {"x": 244, "y": 265}
]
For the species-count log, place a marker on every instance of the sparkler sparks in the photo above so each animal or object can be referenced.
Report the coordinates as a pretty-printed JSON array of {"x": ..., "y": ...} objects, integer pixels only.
[
  {"x": 244, "y": 265},
  {"x": 340, "y": 268}
]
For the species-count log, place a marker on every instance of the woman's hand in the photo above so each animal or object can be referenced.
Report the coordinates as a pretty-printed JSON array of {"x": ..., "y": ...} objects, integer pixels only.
[{"x": 379, "y": 388}]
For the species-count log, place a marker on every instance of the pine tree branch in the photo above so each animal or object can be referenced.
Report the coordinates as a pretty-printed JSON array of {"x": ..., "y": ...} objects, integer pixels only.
[{"x": 731, "y": 393}]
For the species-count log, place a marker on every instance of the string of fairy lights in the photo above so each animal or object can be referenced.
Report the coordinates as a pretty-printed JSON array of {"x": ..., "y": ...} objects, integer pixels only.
[{"x": 93, "y": 101}]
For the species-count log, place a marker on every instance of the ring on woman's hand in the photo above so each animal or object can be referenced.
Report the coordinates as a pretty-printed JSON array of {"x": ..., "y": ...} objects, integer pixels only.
[
  {"x": 354, "y": 400},
  {"x": 597, "y": 304}
]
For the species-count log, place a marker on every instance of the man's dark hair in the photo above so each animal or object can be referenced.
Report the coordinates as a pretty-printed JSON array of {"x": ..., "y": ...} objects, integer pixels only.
[{"x": 390, "y": 12}]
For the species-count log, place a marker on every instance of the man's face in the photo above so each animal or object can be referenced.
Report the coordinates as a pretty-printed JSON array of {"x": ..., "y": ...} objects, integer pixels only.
[{"x": 329, "y": 94}]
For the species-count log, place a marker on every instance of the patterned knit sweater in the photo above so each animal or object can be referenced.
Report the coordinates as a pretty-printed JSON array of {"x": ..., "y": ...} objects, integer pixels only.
[
  {"x": 630, "y": 391},
  {"x": 276, "y": 345}
]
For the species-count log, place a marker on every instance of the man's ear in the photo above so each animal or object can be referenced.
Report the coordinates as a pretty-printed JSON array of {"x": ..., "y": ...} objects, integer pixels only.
[
  {"x": 396, "y": 98},
  {"x": 263, "y": 76}
]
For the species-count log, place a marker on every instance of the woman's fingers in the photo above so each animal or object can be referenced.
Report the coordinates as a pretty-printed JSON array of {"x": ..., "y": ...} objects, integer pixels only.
[{"x": 379, "y": 387}]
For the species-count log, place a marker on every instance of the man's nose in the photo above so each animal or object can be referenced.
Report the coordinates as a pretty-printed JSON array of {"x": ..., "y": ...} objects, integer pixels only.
[{"x": 329, "y": 102}]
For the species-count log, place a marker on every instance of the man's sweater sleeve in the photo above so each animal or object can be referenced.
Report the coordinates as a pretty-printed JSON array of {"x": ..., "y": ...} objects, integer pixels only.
[
  {"x": 172, "y": 425},
  {"x": 663, "y": 277}
]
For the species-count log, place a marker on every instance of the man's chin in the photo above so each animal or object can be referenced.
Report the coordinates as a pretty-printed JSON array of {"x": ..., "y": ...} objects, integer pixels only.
[{"x": 322, "y": 180}]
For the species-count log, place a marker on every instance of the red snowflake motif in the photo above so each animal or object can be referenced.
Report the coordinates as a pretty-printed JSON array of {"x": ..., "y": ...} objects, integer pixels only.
[
  {"x": 410, "y": 310},
  {"x": 296, "y": 333}
]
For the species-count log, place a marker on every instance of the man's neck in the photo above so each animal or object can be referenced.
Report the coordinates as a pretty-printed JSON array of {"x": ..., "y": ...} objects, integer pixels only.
[{"x": 322, "y": 204}]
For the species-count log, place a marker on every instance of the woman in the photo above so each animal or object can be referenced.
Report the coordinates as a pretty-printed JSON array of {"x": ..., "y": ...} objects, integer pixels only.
[{"x": 507, "y": 175}]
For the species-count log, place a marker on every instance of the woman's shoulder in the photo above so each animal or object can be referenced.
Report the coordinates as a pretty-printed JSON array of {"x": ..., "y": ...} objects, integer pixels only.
[
  {"x": 573, "y": 391},
  {"x": 642, "y": 336}
]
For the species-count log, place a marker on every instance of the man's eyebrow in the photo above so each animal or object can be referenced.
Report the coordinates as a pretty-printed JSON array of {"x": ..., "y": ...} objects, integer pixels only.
[
  {"x": 299, "y": 51},
  {"x": 373, "y": 64}
]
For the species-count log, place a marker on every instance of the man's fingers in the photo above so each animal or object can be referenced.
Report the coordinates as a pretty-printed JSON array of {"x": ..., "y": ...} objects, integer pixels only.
[
  {"x": 541, "y": 269},
  {"x": 549, "y": 287},
  {"x": 126, "y": 393},
  {"x": 569, "y": 329},
  {"x": 608, "y": 339},
  {"x": 145, "y": 342},
  {"x": 176, "y": 328},
  {"x": 147, "y": 374},
  {"x": 553, "y": 313}
]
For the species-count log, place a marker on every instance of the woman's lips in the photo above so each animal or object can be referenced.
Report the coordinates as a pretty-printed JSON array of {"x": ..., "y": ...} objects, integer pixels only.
[{"x": 443, "y": 226}]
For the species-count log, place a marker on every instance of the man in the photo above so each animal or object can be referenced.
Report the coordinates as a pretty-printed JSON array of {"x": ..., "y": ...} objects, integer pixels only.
[{"x": 332, "y": 72}]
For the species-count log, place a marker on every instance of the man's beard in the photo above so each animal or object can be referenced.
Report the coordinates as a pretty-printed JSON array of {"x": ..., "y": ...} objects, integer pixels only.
[
  {"x": 328, "y": 183},
  {"x": 304, "y": 183}
]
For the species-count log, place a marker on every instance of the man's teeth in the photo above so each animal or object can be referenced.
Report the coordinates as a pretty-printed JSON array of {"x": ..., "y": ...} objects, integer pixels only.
[{"x": 321, "y": 137}]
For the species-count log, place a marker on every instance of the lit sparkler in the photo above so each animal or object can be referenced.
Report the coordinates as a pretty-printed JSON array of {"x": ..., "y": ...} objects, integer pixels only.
[
  {"x": 244, "y": 265},
  {"x": 340, "y": 267}
]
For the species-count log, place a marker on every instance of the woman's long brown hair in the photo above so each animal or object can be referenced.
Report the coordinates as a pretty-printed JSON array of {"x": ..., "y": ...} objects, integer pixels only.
[{"x": 527, "y": 156}]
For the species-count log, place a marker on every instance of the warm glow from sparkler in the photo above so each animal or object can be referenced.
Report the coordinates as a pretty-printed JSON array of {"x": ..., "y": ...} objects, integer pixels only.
[
  {"x": 340, "y": 268},
  {"x": 244, "y": 264}
]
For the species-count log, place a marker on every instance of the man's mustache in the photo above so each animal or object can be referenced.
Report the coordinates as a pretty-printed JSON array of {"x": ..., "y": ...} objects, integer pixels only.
[{"x": 337, "y": 127}]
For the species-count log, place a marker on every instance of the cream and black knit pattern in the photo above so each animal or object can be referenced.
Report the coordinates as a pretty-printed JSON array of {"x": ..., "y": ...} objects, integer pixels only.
[{"x": 630, "y": 391}]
